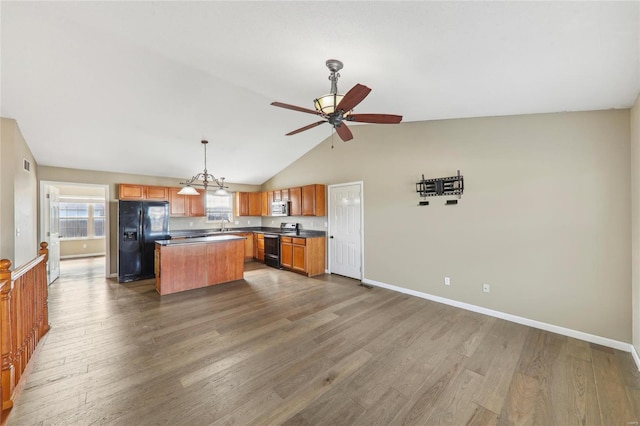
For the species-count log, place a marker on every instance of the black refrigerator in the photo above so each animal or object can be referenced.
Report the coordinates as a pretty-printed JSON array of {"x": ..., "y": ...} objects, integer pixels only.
[{"x": 140, "y": 225}]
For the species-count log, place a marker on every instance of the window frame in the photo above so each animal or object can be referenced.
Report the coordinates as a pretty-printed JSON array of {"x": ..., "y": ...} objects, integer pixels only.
[
  {"x": 231, "y": 200},
  {"x": 90, "y": 218}
]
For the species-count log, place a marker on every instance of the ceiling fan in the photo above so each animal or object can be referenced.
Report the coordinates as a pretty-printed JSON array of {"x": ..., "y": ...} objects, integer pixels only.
[{"x": 336, "y": 108}]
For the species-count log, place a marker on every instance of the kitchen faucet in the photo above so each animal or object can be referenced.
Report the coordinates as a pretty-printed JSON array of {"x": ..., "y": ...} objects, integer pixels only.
[{"x": 222, "y": 224}]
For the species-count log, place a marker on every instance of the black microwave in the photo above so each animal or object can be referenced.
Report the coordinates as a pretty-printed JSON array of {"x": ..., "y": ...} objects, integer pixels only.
[{"x": 280, "y": 208}]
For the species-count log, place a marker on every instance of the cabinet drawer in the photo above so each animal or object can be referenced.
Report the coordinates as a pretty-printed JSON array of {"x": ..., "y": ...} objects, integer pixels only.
[
  {"x": 285, "y": 239},
  {"x": 300, "y": 241}
]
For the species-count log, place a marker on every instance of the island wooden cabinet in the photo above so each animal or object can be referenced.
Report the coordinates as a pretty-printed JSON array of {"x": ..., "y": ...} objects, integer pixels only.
[
  {"x": 127, "y": 191},
  {"x": 304, "y": 255},
  {"x": 248, "y": 204},
  {"x": 186, "y": 205},
  {"x": 198, "y": 262}
]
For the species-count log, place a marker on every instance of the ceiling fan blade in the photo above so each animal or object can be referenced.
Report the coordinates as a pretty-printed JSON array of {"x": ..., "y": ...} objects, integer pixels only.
[
  {"x": 302, "y": 129},
  {"x": 295, "y": 108},
  {"x": 375, "y": 118},
  {"x": 343, "y": 131},
  {"x": 353, "y": 97}
]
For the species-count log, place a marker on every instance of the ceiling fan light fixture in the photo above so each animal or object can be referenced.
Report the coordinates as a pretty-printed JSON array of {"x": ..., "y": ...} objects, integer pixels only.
[{"x": 327, "y": 104}]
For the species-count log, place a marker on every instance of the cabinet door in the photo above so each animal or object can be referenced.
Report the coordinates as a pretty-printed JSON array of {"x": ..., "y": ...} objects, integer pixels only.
[
  {"x": 264, "y": 199},
  {"x": 286, "y": 253},
  {"x": 248, "y": 246},
  {"x": 156, "y": 193},
  {"x": 299, "y": 261},
  {"x": 131, "y": 192},
  {"x": 284, "y": 194},
  {"x": 295, "y": 198},
  {"x": 277, "y": 195},
  {"x": 196, "y": 203},
  {"x": 177, "y": 203},
  {"x": 255, "y": 204},
  {"x": 269, "y": 202},
  {"x": 242, "y": 204},
  {"x": 313, "y": 200},
  {"x": 260, "y": 247}
]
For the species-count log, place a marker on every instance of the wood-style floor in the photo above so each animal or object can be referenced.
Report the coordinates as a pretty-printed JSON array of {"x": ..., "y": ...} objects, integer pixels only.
[{"x": 280, "y": 348}]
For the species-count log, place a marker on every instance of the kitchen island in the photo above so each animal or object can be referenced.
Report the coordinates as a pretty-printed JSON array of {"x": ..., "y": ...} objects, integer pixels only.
[{"x": 191, "y": 263}]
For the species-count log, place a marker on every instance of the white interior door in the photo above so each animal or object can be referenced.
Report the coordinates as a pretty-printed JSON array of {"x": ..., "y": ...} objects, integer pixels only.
[
  {"x": 52, "y": 231},
  {"x": 345, "y": 230}
]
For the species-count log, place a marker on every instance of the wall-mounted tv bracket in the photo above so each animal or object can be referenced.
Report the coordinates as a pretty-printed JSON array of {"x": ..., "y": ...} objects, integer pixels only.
[{"x": 453, "y": 185}]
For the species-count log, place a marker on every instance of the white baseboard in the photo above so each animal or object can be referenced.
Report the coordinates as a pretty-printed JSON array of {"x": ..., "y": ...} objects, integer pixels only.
[
  {"x": 635, "y": 356},
  {"x": 514, "y": 318}
]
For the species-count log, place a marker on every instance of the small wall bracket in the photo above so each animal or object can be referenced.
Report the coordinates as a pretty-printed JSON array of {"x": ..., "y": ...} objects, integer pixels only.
[{"x": 453, "y": 185}]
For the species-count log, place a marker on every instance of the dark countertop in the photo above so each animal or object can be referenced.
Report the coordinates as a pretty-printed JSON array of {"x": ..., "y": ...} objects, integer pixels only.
[
  {"x": 189, "y": 233},
  {"x": 211, "y": 239}
]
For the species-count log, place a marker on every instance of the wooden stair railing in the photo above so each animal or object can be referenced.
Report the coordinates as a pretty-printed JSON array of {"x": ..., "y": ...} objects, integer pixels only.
[{"x": 24, "y": 319}]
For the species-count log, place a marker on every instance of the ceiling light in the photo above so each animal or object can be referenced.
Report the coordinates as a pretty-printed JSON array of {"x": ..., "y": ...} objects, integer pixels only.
[
  {"x": 327, "y": 104},
  {"x": 206, "y": 179}
]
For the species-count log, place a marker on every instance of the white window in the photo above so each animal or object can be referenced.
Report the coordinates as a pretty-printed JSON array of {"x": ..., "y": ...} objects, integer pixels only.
[
  {"x": 219, "y": 207},
  {"x": 79, "y": 219}
]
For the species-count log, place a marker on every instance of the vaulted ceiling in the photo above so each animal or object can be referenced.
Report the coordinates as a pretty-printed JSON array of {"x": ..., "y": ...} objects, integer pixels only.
[{"x": 134, "y": 86}]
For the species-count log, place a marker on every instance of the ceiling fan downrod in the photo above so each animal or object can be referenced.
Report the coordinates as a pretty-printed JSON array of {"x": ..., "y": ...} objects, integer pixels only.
[{"x": 334, "y": 66}]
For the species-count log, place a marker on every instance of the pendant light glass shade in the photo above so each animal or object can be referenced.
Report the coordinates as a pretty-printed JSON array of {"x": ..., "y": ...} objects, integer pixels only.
[{"x": 188, "y": 190}]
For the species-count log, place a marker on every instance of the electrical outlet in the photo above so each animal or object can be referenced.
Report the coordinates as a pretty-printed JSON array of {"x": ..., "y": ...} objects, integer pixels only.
[
  {"x": 311, "y": 224},
  {"x": 486, "y": 288},
  {"x": 248, "y": 222},
  {"x": 190, "y": 223},
  {"x": 447, "y": 281}
]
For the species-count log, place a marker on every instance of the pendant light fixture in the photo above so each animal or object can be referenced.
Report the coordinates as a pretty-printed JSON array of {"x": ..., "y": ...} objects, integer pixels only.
[{"x": 206, "y": 178}]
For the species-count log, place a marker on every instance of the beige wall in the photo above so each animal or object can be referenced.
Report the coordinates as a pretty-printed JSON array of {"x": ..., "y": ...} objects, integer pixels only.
[
  {"x": 635, "y": 215},
  {"x": 18, "y": 197},
  {"x": 58, "y": 174},
  {"x": 545, "y": 218}
]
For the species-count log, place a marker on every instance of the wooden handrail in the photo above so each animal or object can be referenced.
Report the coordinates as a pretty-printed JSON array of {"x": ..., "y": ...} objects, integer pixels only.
[{"x": 24, "y": 319}]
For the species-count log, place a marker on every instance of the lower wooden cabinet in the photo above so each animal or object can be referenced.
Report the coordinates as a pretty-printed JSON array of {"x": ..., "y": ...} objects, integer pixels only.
[
  {"x": 286, "y": 252},
  {"x": 304, "y": 255},
  {"x": 248, "y": 244},
  {"x": 258, "y": 246}
]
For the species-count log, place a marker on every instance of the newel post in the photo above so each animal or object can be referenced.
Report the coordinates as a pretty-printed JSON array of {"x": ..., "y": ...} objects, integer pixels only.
[
  {"x": 44, "y": 250},
  {"x": 44, "y": 324},
  {"x": 6, "y": 350}
]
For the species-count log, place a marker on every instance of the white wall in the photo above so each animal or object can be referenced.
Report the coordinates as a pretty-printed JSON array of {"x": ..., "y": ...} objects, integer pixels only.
[
  {"x": 19, "y": 197},
  {"x": 545, "y": 218},
  {"x": 635, "y": 215}
]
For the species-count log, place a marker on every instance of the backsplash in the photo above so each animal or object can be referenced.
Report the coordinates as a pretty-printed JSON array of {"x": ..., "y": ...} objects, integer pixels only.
[{"x": 316, "y": 223}]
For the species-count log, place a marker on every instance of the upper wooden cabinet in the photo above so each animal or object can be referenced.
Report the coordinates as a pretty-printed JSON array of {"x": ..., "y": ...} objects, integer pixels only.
[
  {"x": 266, "y": 204},
  {"x": 313, "y": 200},
  {"x": 186, "y": 205},
  {"x": 129, "y": 191},
  {"x": 248, "y": 204},
  {"x": 157, "y": 193},
  {"x": 295, "y": 199}
]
